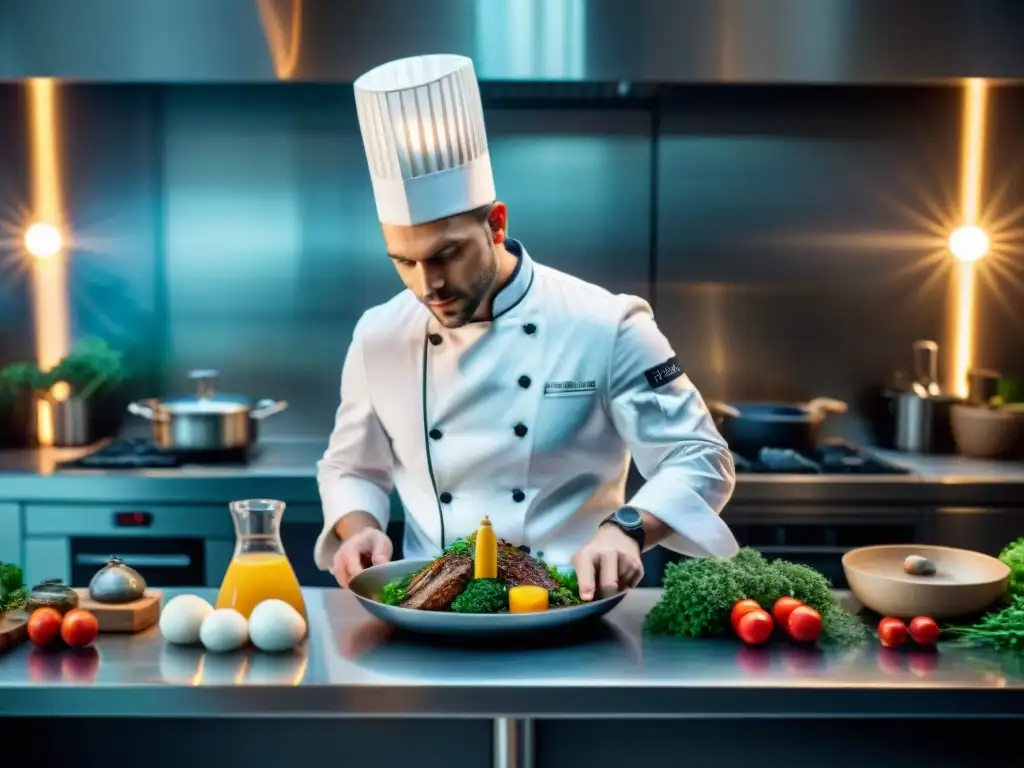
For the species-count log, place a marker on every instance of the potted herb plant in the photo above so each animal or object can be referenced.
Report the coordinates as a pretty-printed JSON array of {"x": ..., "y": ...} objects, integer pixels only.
[{"x": 91, "y": 369}]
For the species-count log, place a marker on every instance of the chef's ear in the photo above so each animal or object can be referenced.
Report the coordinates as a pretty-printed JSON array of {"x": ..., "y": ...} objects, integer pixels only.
[{"x": 497, "y": 219}]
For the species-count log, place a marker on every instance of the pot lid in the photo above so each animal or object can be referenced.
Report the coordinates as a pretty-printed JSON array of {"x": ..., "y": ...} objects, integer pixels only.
[{"x": 206, "y": 400}]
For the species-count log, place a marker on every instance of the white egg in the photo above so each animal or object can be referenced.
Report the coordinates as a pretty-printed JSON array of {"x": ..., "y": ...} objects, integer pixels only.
[
  {"x": 276, "y": 626},
  {"x": 182, "y": 617},
  {"x": 224, "y": 630}
]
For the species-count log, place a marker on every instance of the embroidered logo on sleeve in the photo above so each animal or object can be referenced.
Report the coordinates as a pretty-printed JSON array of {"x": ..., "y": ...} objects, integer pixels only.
[
  {"x": 662, "y": 374},
  {"x": 570, "y": 387}
]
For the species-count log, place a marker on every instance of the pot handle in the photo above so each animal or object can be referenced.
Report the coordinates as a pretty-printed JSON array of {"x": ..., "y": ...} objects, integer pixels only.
[
  {"x": 722, "y": 409},
  {"x": 265, "y": 408},
  {"x": 144, "y": 409},
  {"x": 827, "y": 405}
]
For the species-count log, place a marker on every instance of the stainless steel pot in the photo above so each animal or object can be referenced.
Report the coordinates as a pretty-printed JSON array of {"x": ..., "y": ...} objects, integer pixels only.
[
  {"x": 207, "y": 421},
  {"x": 923, "y": 422}
]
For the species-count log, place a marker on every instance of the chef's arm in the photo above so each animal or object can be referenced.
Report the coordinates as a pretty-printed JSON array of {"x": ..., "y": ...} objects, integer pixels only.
[
  {"x": 354, "y": 474},
  {"x": 673, "y": 439}
]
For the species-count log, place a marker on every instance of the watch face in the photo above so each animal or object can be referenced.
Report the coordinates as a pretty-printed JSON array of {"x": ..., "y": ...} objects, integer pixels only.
[{"x": 629, "y": 517}]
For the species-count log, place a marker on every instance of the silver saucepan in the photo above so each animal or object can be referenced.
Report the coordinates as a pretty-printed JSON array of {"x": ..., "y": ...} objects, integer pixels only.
[{"x": 206, "y": 421}]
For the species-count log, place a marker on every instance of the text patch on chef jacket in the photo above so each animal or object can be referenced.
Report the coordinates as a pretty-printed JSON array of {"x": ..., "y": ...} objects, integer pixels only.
[{"x": 660, "y": 375}]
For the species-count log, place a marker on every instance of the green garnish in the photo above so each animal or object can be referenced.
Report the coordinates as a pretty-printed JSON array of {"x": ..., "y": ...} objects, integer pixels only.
[
  {"x": 394, "y": 592},
  {"x": 460, "y": 547},
  {"x": 699, "y": 594},
  {"x": 568, "y": 591},
  {"x": 1002, "y": 629},
  {"x": 482, "y": 596}
]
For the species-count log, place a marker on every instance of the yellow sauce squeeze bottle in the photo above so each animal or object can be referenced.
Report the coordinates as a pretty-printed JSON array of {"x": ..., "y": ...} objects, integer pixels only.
[{"x": 485, "y": 560}]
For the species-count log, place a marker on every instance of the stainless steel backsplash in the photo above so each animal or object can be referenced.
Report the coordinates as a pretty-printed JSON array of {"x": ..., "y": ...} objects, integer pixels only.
[{"x": 777, "y": 230}]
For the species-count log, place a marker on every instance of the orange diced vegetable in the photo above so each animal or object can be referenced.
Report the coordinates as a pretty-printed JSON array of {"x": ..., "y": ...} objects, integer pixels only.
[{"x": 527, "y": 599}]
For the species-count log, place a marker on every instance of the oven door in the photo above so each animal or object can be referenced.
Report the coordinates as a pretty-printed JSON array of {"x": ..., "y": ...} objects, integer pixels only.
[
  {"x": 171, "y": 546},
  {"x": 162, "y": 562}
]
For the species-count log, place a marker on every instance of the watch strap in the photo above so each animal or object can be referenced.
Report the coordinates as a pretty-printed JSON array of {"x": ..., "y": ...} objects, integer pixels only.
[{"x": 635, "y": 532}]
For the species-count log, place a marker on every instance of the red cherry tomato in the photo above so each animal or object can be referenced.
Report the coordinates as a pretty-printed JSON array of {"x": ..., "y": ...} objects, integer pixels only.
[
  {"x": 783, "y": 607},
  {"x": 892, "y": 632},
  {"x": 755, "y": 627},
  {"x": 742, "y": 608},
  {"x": 44, "y": 626},
  {"x": 79, "y": 628},
  {"x": 804, "y": 624},
  {"x": 924, "y": 630}
]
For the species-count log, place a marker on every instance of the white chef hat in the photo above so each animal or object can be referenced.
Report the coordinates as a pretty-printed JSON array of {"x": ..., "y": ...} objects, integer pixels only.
[{"x": 426, "y": 144}]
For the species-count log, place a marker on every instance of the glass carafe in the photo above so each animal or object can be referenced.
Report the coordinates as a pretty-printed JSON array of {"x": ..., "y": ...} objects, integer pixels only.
[{"x": 259, "y": 569}]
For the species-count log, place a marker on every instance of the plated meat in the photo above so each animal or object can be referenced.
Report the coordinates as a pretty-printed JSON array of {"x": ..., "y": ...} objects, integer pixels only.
[
  {"x": 516, "y": 567},
  {"x": 437, "y": 585}
]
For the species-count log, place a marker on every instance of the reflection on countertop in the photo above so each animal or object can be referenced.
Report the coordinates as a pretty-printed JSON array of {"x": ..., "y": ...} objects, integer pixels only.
[{"x": 353, "y": 664}]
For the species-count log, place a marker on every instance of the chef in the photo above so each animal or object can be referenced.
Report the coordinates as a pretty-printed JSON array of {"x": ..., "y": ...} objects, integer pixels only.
[{"x": 494, "y": 385}]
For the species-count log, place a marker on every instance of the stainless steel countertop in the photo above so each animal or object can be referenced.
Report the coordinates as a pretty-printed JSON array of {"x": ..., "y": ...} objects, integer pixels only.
[
  {"x": 286, "y": 469},
  {"x": 354, "y": 666}
]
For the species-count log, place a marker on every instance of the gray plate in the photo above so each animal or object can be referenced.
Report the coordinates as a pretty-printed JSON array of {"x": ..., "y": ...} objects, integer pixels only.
[{"x": 368, "y": 584}]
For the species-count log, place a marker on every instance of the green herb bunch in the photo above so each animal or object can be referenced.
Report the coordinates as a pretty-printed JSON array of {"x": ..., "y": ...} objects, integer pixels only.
[
  {"x": 698, "y": 596},
  {"x": 1002, "y": 629},
  {"x": 13, "y": 592},
  {"x": 1013, "y": 556}
]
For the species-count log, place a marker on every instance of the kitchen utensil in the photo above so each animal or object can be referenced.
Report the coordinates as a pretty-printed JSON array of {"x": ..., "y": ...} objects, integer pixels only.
[
  {"x": 366, "y": 586},
  {"x": 128, "y": 618},
  {"x": 54, "y": 593},
  {"x": 922, "y": 422},
  {"x": 964, "y": 582},
  {"x": 749, "y": 427},
  {"x": 982, "y": 386},
  {"x": 926, "y": 367},
  {"x": 209, "y": 420},
  {"x": 116, "y": 583},
  {"x": 987, "y": 433},
  {"x": 13, "y": 630}
]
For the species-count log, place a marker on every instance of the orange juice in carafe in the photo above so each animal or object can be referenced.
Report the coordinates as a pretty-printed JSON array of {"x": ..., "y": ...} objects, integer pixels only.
[{"x": 259, "y": 569}]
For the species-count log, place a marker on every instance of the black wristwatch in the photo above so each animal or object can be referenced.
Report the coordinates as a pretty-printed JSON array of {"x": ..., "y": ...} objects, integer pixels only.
[{"x": 630, "y": 522}]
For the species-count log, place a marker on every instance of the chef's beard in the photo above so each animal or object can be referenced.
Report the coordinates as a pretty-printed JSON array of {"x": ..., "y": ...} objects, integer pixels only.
[{"x": 469, "y": 301}]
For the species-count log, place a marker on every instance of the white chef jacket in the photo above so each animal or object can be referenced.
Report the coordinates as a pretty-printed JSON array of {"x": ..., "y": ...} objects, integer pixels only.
[{"x": 529, "y": 418}]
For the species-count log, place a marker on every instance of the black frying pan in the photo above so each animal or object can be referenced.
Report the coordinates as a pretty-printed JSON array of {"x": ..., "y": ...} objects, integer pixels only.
[{"x": 749, "y": 427}]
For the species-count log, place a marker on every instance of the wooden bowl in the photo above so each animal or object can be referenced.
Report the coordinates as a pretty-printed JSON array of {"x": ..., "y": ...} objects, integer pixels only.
[{"x": 964, "y": 583}]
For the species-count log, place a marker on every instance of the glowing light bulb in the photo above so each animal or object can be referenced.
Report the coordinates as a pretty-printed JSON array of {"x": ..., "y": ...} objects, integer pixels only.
[
  {"x": 968, "y": 243},
  {"x": 43, "y": 240}
]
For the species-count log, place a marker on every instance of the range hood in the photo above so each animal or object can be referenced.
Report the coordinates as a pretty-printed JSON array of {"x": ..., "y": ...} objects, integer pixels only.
[{"x": 569, "y": 41}]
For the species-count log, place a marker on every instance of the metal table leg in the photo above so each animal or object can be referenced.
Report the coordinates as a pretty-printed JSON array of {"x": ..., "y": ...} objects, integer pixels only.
[{"x": 513, "y": 742}]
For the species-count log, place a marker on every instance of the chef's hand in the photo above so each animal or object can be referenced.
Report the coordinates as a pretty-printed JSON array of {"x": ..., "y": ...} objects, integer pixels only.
[
  {"x": 609, "y": 562},
  {"x": 369, "y": 546}
]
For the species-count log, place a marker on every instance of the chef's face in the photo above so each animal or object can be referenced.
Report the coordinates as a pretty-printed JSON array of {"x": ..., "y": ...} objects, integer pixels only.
[{"x": 451, "y": 265}]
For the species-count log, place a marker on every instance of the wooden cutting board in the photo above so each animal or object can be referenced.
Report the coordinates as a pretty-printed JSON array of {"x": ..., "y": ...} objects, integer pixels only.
[
  {"x": 13, "y": 630},
  {"x": 124, "y": 617}
]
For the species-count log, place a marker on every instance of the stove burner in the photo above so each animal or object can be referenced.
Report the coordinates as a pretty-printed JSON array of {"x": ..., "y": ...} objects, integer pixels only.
[
  {"x": 834, "y": 458},
  {"x": 143, "y": 454}
]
